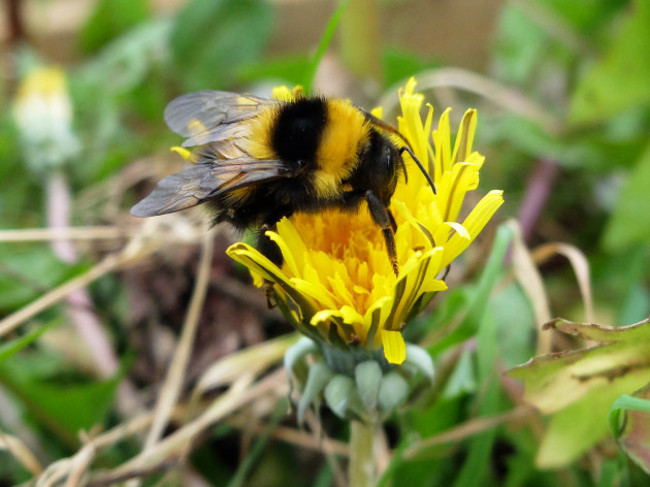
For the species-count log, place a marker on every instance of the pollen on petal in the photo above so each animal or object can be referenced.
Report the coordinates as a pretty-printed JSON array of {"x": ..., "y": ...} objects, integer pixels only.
[{"x": 182, "y": 151}]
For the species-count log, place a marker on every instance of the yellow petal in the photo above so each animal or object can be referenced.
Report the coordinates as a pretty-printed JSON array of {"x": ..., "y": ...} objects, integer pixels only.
[
  {"x": 474, "y": 223},
  {"x": 394, "y": 346},
  {"x": 465, "y": 137}
]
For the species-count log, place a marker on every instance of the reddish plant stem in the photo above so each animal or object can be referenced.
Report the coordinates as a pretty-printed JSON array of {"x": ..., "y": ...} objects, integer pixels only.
[{"x": 537, "y": 194}]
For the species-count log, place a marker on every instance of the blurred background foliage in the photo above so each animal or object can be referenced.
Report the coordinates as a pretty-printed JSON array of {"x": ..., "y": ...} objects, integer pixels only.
[{"x": 563, "y": 95}]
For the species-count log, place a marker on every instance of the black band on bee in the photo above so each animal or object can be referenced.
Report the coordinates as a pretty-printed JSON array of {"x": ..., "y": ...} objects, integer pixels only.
[{"x": 298, "y": 130}]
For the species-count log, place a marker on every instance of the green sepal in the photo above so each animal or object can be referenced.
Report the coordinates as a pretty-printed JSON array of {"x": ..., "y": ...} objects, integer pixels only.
[
  {"x": 393, "y": 391},
  {"x": 342, "y": 398},
  {"x": 319, "y": 377},
  {"x": 298, "y": 350},
  {"x": 368, "y": 376}
]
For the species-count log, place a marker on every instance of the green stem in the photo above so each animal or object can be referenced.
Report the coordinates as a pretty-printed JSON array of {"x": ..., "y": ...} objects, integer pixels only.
[
  {"x": 362, "y": 465},
  {"x": 361, "y": 40}
]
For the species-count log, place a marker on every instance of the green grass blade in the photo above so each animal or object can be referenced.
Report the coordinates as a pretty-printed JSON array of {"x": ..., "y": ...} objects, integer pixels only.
[
  {"x": 9, "y": 349},
  {"x": 324, "y": 43},
  {"x": 625, "y": 402}
]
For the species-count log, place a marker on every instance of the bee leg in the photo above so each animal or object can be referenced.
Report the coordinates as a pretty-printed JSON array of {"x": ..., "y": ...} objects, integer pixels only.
[
  {"x": 393, "y": 223},
  {"x": 267, "y": 247},
  {"x": 268, "y": 293},
  {"x": 270, "y": 250},
  {"x": 384, "y": 219}
]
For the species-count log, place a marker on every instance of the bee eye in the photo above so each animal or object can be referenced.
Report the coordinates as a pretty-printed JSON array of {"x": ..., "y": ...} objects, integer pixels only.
[{"x": 389, "y": 162}]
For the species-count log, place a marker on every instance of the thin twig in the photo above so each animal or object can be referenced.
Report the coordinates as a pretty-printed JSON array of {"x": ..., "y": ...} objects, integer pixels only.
[
  {"x": 507, "y": 97},
  {"x": 315, "y": 426},
  {"x": 20, "y": 452},
  {"x": 467, "y": 429},
  {"x": 239, "y": 394},
  {"x": 174, "y": 380},
  {"x": 108, "y": 264},
  {"x": 530, "y": 280},
  {"x": 162, "y": 466},
  {"x": 67, "y": 233},
  {"x": 301, "y": 439}
]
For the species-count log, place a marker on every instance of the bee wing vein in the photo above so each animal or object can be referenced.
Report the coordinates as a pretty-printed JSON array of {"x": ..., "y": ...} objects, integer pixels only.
[{"x": 200, "y": 182}]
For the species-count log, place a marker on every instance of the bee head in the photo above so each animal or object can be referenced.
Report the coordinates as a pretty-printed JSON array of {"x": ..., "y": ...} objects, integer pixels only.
[{"x": 379, "y": 165}]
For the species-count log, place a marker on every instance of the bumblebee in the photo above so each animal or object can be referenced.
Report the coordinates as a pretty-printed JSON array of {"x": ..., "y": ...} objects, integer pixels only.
[{"x": 258, "y": 160}]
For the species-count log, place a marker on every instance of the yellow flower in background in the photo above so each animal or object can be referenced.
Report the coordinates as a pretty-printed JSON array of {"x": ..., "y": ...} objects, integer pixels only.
[
  {"x": 337, "y": 284},
  {"x": 43, "y": 114}
]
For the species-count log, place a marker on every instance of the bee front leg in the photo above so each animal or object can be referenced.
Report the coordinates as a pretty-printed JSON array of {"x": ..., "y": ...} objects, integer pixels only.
[{"x": 384, "y": 219}]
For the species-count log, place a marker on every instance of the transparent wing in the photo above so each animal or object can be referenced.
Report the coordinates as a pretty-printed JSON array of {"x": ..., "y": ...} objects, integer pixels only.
[
  {"x": 212, "y": 116},
  {"x": 201, "y": 182}
]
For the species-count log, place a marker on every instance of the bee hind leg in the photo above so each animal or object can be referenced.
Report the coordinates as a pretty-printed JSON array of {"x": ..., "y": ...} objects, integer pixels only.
[
  {"x": 269, "y": 249},
  {"x": 384, "y": 219}
]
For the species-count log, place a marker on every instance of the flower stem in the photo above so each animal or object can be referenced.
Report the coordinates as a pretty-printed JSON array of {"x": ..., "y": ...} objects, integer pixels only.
[
  {"x": 361, "y": 40},
  {"x": 362, "y": 465}
]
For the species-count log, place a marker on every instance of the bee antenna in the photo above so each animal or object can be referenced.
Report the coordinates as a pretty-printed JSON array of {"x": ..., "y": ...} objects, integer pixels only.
[
  {"x": 406, "y": 148},
  {"x": 403, "y": 164}
]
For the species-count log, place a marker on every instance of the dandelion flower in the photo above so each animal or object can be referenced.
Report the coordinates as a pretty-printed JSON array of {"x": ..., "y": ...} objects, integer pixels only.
[{"x": 337, "y": 285}]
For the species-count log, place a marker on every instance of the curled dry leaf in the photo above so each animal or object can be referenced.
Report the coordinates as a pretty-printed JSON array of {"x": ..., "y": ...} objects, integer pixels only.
[{"x": 578, "y": 387}]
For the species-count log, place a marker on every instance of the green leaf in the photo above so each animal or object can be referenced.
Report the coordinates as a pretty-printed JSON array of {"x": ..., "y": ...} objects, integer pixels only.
[
  {"x": 627, "y": 225},
  {"x": 578, "y": 427},
  {"x": 110, "y": 19},
  {"x": 121, "y": 65},
  {"x": 619, "y": 80},
  {"x": 476, "y": 308},
  {"x": 324, "y": 43},
  {"x": 556, "y": 380},
  {"x": 624, "y": 403},
  {"x": 289, "y": 69},
  {"x": 481, "y": 445},
  {"x": 629, "y": 421},
  {"x": 27, "y": 271},
  {"x": 213, "y": 39},
  {"x": 7, "y": 350},
  {"x": 519, "y": 45},
  {"x": 400, "y": 65},
  {"x": 61, "y": 408}
]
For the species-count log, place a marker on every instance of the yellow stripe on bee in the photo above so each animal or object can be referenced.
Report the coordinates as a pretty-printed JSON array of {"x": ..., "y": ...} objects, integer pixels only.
[
  {"x": 345, "y": 131},
  {"x": 262, "y": 127}
]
